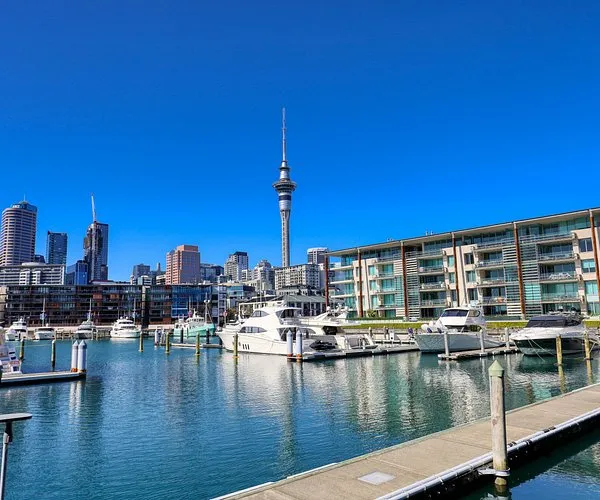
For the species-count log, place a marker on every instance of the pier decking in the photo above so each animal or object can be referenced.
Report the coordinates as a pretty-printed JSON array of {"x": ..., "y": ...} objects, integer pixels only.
[
  {"x": 492, "y": 351},
  {"x": 39, "y": 378},
  {"x": 441, "y": 461}
]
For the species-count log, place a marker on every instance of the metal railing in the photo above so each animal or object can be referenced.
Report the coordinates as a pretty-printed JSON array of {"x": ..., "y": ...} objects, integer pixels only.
[
  {"x": 435, "y": 302},
  {"x": 560, "y": 297},
  {"x": 556, "y": 256},
  {"x": 571, "y": 275},
  {"x": 492, "y": 281},
  {"x": 489, "y": 263},
  {"x": 429, "y": 286},
  {"x": 431, "y": 269},
  {"x": 493, "y": 300}
]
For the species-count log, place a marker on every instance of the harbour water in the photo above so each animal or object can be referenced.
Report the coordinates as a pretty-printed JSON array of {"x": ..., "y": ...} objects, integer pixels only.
[{"x": 151, "y": 425}]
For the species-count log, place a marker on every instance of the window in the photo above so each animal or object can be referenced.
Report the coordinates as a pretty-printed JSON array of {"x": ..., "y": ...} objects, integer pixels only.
[
  {"x": 472, "y": 293},
  {"x": 371, "y": 270},
  {"x": 258, "y": 313},
  {"x": 591, "y": 288},
  {"x": 588, "y": 266},
  {"x": 469, "y": 258},
  {"x": 585, "y": 245},
  {"x": 452, "y": 277},
  {"x": 471, "y": 277},
  {"x": 450, "y": 260}
]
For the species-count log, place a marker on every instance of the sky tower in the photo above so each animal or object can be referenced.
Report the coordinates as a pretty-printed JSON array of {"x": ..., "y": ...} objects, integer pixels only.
[{"x": 284, "y": 187}]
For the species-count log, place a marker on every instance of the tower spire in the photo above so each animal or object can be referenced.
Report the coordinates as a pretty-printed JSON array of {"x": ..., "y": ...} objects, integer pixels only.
[{"x": 283, "y": 139}]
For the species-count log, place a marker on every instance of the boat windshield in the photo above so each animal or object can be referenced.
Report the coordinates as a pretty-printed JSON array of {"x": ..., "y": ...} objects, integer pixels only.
[
  {"x": 454, "y": 313},
  {"x": 552, "y": 322}
]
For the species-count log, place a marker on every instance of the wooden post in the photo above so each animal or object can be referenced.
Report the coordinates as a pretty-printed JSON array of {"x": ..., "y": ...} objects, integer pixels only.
[
  {"x": 507, "y": 337},
  {"x": 198, "y": 344},
  {"x": 586, "y": 345},
  {"x": 559, "y": 353},
  {"x": 481, "y": 343},
  {"x": 53, "y": 355},
  {"x": 235, "y": 345},
  {"x": 167, "y": 343},
  {"x": 141, "y": 342},
  {"x": 499, "y": 450},
  {"x": 22, "y": 350}
]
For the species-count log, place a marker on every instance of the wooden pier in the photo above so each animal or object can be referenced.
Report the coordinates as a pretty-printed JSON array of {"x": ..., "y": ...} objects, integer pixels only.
[
  {"x": 444, "y": 462},
  {"x": 380, "y": 350},
  {"x": 193, "y": 346},
  {"x": 39, "y": 378},
  {"x": 492, "y": 351}
]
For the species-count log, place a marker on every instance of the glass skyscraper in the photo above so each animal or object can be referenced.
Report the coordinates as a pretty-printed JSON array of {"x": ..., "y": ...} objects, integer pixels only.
[
  {"x": 56, "y": 248},
  {"x": 95, "y": 251}
]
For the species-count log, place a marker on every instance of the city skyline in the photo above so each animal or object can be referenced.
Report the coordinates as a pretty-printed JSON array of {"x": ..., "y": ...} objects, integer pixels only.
[{"x": 405, "y": 117}]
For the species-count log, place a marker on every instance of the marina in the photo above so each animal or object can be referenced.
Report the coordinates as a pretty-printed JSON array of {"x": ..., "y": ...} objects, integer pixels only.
[{"x": 243, "y": 422}]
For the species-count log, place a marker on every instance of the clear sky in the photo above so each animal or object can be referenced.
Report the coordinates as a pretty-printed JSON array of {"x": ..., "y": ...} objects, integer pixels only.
[{"x": 403, "y": 117}]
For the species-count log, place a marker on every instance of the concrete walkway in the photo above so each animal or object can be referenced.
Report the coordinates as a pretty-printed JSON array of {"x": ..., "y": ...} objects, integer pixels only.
[{"x": 382, "y": 472}]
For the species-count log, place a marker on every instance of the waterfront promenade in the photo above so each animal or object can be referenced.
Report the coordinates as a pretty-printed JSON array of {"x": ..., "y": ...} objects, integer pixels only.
[{"x": 388, "y": 473}]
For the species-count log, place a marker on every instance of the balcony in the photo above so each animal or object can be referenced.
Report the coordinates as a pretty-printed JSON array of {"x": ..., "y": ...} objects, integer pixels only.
[
  {"x": 440, "y": 285},
  {"x": 493, "y": 244},
  {"x": 556, "y": 256},
  {"x": 337, "y": 266},
  {"x": 431, "y": 269},
  {"x": 492, "y": 282},
  {"x": 386, "y": 306},
  {"x": 568, "y": 236},
  {"x": 562, "y": 276},
  {"x": 434, "y": 302},
  {"x": 490, "y": 263},
  {"x": 493, "y": 300},
  {"x": 560, "y": 297},
  {"x": 430, "y": 253}
]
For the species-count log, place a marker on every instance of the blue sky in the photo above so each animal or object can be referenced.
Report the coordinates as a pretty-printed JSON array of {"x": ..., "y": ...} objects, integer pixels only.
[{"x": 403, "y": 117}]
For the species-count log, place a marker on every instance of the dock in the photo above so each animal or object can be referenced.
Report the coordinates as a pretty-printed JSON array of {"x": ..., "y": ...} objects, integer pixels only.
[
  {"x": 478, "y": 353},
  {"x": 381, "y": 350},
  {"x": 193, "y": 346},
  {"x": 444, "y": 462},
  {"x": 40, "y": 378}
]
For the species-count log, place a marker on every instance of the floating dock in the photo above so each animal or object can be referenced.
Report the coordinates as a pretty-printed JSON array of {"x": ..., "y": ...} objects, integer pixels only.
[
  {"x": 444, "y": 463},
  {"x": 39, "y": 378},
  {"x": 193, "y": 346},
  {"x": 357, "y": 353},
  {"x": 492, "y": 351}
]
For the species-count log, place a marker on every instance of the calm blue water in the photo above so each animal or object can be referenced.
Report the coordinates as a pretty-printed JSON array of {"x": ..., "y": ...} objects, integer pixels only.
[{"x": 147, "y": 425}]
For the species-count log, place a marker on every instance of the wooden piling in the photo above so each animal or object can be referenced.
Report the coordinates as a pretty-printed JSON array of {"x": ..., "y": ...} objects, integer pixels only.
[
  {"x": 586, "y": 345},
  {"x": 167, "y": 343},
  {"x": 235, "y": 345},
  {"x": 498, "y": 417},
  {"x": 507, "y": 338},
  {"x": 559, "y": 353},
  {"x": 53, "y": 355},
  {"x": 22, "y": 350},
  {"x": 141, "y": 342},
  {"x": 446, "y": 346},
  {"x": 197, "y": 344},
  {"x": 481, "y": 343}
]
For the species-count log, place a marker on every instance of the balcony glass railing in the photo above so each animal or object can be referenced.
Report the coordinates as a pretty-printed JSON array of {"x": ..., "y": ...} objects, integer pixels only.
[
  {"x": 434, "y": 302},
  {"x": 494, "y": 300},
  {"x": 431, "y": 269},
  {"x": 490, "y": 263},
  {"x": 429, "y": 286},
  {"x": 492, "y": 281},
  {"x": 556, "y": 256},
  {"x": 560, "y": 297},
  {"x": 562, "y": 276}
]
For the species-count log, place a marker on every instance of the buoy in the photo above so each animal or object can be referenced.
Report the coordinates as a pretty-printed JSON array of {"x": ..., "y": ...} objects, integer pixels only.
[
  {"x": 74, "y": 356},
  {"x": 82, "y": 357}
]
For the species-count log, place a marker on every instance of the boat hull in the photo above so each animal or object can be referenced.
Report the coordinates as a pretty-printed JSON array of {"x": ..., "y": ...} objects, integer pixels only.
[
  {"x": 258, "y": 344},
  {"x": 133, "y": 334},
  {"x": 434, "y": 342},
  {"x": 547, "y": 346},
  {"x": 43, "y": 336}
]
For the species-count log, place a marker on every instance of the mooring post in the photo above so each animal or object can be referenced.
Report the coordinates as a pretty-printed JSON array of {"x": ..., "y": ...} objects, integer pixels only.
[
  {"x": 299, "y": 346},
  {"x": 53, "y": 354},
  {"x": 235, "y": 345},
  {"x": 22, "y": 350},
  {"x": 586, "y": 345},
  {"x": 499, "y": 451},
  {"x": 198, "y": 344},
  {"x": 481, "y": 343},
  {"x": 371, "y": 332},
  {"x": 181, "y": 336},
  {"x": 446, "y": 345},
  {"x": 157, "y": 333},
  {"x": 559, "y": 353},
  {"x": 8, "y": 420},
  {"x": 507, "y": 337},
  {"x": 289, "y": 338},
  {"x": 141, "y": 341},
  {"x": 74, "y": 355},
  {"x": 208, "y": 335},
  {"x": 167, "y": 343}
]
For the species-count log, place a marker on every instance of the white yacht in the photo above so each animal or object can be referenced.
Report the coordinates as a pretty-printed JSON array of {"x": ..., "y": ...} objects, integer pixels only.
[
  {"x": 538, "y": 338},
  {"x": 44, "y": 333},
  {"x": 462, "y": 326},
  {"x": 17, "y": 331},
  {"x": 329, "y": 326},
  {"x": 9, "y": 363},
  {"x": 86, "y": 330},
  {"x": 124, "y": 328}
]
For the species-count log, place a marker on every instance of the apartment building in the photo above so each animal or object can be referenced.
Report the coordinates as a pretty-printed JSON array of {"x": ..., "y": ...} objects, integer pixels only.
[{"x": 514, "y": 269}]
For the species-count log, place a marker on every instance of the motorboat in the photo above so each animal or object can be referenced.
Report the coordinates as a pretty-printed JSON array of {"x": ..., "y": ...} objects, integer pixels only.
[
  {"x": 124, "y": 328},
  {"x": 86, "y": 330},
  {"x": 462, "y": 326},
  {"x": 44, "y": 333},
  {"x": 193, "y": 326},
  {"x": 538, "y": 338},
  {"x": 17, "y": 331},
  {"x": 9, "y": 362},
  {"x": 266, "y": 330}
]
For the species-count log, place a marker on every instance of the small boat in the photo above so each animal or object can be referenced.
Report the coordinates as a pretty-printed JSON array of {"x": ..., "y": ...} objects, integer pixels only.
[
  {"x": 9, "y": 362},
  {"x": 17, "y": 331},
  {"x": 44, "y": 333},
  {"x": 124, "y": 328},
  {"x": 193, "y": 326},
  {"x": 538, "y": 338},
  {"x": 463, "y": 327}
]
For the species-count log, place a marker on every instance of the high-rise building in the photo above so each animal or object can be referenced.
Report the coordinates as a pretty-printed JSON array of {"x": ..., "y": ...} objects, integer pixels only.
[
  {"x": 284, "y": 187},
  {"x": 183, "y": 265},
  {"x": 316, "y": 255},
  {"x": 95, "y": 251},
  {"x": 77, "y": 274},
  {"x": 39, "y": 259},
  {"x": 300, "y": 275},
  {"x": 264, "y": 276},
  {"x": 210, "y": 272},
  {"x": 140, "y": 270},
  {"x": 235, "y": 265},
  {"x": 56, "y": 248},
  {"x": 17, "y": 238}
]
